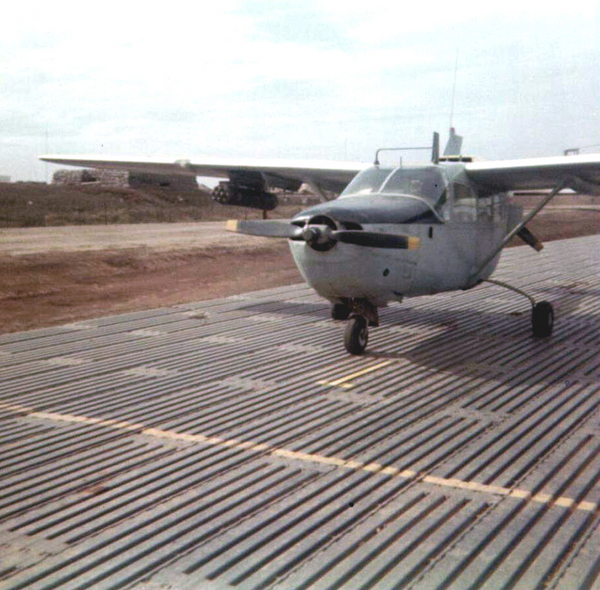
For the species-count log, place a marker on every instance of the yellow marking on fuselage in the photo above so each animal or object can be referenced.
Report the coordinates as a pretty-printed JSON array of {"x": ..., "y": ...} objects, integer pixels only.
[
  {"x": 343, "y": 381},
  {"x": 414, "y": 243},
  {"x": 266, "y": 448}
]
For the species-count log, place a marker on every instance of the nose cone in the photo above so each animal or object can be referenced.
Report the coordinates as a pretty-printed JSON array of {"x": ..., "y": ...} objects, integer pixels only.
[{"x": 310, "y": 235}]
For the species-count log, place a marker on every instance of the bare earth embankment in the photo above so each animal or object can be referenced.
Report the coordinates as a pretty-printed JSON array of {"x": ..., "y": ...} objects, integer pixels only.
[
  {"x": 50, "y": 276},
  {"x": 48, "y": 289}
]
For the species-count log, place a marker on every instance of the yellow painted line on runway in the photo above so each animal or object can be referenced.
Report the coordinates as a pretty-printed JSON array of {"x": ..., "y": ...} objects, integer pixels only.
[
  {"x": 233, "y": 443},
  {"x": 344, "y": 381}
]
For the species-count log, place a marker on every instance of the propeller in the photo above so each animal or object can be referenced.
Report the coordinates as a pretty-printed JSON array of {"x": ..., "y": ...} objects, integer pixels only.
[
  {"x": 375, "y": 239},
  {"x": 323, "y": 235},
  {"x": 267, "y": 229}
]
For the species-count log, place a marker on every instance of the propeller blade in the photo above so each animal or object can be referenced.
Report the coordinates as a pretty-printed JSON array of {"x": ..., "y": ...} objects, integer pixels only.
[
  {"x": 267, "y": 229},
  {"x": 284, "y": 229},
  {"x": 376, "y": 240}
]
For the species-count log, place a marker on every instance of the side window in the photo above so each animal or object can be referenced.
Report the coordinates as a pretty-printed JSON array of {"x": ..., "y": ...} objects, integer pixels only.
[
  {"x": 485, "y": 206},
  {"x": 500, "y": 208},
  {"x": 465, "y": 203},
  {"x": 492, "y": 208}
]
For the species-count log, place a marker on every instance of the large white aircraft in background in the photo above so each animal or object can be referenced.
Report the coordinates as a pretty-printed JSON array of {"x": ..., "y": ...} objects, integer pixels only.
[{"x": 393, "y": 232}]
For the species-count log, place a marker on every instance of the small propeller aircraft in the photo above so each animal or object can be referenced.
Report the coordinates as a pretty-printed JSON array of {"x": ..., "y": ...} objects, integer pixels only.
[{"x": 393, "y": 232}]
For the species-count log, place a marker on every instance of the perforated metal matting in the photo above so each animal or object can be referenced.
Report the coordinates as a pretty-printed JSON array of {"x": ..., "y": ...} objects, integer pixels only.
[{"x": 235, "y": 444}]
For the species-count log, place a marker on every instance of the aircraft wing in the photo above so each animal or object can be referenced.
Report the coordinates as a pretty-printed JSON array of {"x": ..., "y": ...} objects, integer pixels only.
[
  {"x": 328, "y": 175},
  {"x": 538, "y": 173}
]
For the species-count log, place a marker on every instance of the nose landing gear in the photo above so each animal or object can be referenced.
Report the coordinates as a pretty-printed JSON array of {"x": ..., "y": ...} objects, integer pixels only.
[
  {"x": 340, "y": 311},
  {"x": 356, "y": 335},
  {"x": 364, "y": 314}
]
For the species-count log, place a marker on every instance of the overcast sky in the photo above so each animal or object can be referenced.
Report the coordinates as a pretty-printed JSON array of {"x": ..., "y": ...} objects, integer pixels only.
[{"x": 294, "y": 79}]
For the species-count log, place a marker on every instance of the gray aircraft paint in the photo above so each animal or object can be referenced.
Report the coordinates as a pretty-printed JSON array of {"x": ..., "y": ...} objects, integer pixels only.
[{"x": 445, "y": 260}]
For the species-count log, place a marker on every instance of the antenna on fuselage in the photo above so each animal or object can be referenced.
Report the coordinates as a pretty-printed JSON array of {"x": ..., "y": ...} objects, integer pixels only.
[
  {"x": 454, "y": 144},
  {"x": 453, "y": 90},
  {"x": 435, "y": 148}
]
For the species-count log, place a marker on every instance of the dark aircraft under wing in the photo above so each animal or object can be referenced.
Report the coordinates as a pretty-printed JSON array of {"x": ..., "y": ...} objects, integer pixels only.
[{"x": 538, "y": 173}]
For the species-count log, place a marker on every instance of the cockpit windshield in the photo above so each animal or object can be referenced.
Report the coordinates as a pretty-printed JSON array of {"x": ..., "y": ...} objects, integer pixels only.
[
  {"x": 366, "y": 182},
  {"x": 426, "y": 182}
]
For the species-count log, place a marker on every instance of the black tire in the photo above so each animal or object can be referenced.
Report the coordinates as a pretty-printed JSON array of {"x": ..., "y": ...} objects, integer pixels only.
[
  {"x": 340, "y": 311},
  {"x": 356, "y": 335},
  {"x": 542, "y": 319}
]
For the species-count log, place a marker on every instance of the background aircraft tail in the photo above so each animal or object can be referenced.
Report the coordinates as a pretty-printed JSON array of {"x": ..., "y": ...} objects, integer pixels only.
[{"x": 454, "y": 144}]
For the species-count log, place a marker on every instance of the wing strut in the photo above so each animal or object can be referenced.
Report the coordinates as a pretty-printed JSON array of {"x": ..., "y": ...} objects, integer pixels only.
[
  {"x": 316, "y": 189},
  {"x": 564, "y": 183}
]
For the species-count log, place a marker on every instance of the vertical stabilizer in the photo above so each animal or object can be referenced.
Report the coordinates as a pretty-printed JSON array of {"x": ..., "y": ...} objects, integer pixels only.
[{"x": 454, "y": 144}]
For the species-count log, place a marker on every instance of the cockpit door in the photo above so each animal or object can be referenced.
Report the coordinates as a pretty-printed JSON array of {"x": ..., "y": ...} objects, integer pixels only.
[{"x": 479, "y": 221}]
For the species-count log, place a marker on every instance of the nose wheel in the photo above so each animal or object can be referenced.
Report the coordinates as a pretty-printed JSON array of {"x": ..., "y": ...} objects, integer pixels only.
[
  {"x": 362, "y": 315},
  {"x": 356, "y": 335}
]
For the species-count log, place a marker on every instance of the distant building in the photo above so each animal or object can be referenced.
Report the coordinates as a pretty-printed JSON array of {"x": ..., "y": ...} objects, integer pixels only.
[
  {"x": 123, "y": 179},
  {"x": 4, "y": 178}
]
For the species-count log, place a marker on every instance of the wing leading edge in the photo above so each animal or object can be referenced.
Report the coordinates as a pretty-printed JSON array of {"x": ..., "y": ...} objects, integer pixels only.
[
  {"x": 330, "y": 175},
  {"x": 538, "y": 173},
  {"x": 505, "y": 175}
]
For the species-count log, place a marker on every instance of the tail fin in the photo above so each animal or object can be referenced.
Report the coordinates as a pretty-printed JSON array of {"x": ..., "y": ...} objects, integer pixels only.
[{"x": 454, "y": 144}]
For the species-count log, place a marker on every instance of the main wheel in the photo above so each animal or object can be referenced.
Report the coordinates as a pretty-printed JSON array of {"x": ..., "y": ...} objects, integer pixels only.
[
  {"x": 356, "y": 335},
  {"x": 340, "y": 311},
  {"x": 542, "y": 319}
]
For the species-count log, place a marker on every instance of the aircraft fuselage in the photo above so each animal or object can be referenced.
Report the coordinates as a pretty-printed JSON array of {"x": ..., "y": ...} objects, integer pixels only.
[{"x": 457, "y": 229}]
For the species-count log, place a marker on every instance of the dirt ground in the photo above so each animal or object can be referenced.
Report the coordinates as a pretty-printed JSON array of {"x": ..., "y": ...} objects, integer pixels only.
[
  {"x": 55, "y": 287},
  {"x": 41, "y": 290},
  {"x": 151, "y": 237}
]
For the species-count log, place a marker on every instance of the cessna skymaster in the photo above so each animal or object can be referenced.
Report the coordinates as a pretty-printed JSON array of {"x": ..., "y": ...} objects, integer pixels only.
[{"x": 393, "y": 232}]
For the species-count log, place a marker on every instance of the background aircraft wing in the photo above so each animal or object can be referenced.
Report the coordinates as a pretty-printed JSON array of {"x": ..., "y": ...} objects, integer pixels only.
[
  {"x": 327, "y": 175},
  {"x": 538, "y": 173}
]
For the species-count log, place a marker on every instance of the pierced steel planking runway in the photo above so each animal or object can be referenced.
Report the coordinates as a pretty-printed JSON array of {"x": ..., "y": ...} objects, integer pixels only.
[{"x": 234, "y": 443}]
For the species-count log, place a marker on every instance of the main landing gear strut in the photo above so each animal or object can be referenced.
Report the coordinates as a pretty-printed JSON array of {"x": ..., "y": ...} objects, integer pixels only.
[{"x": 542, "y": 313}]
